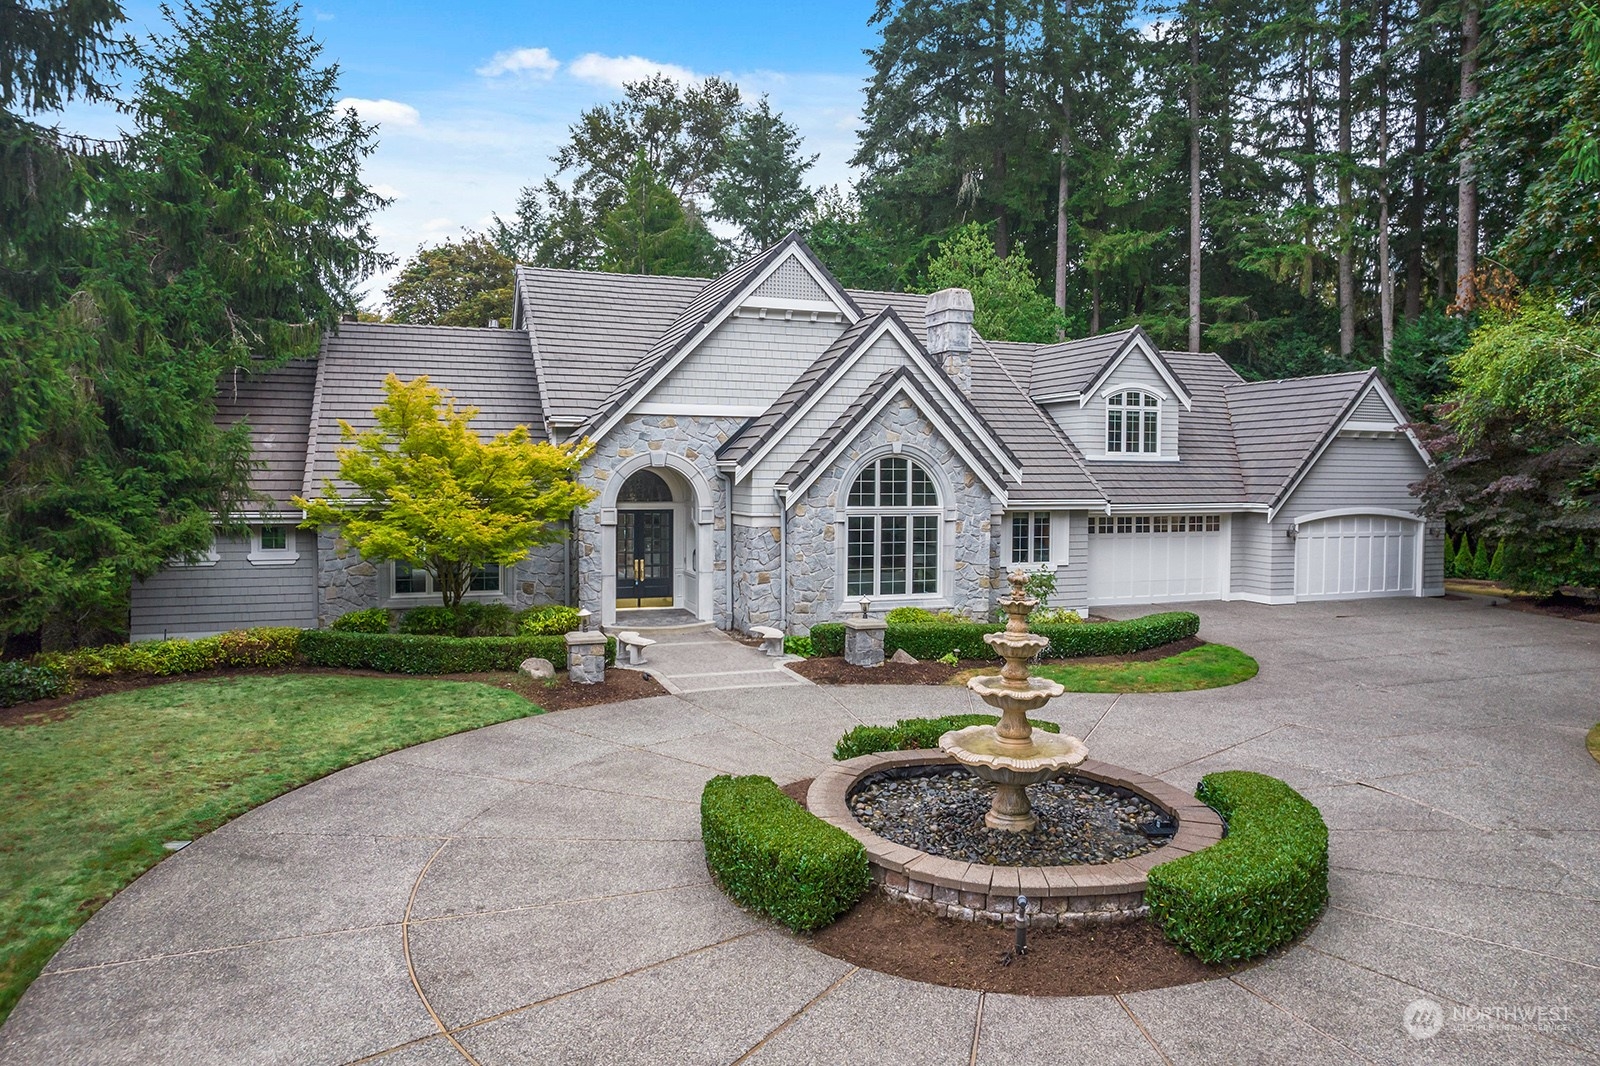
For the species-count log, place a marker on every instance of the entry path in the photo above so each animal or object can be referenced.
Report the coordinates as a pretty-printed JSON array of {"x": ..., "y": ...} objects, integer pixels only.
[
  {"x": 536, "y": 892},
  {"x": 701, "y": 658}
]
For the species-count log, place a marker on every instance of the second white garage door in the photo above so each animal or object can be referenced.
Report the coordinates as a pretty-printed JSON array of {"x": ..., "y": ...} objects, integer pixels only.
[
  {"x": 1355, "y": 555},
  {"x": 1151, "y": 558}
]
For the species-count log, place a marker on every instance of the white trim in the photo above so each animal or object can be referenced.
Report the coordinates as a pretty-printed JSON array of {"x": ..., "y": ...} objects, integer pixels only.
[
  {"x": 1153, "y": 356},
  {"x": 1132, "y": 457},
  {"x": 703, "y": 410},
  {"x": 714, "y": 323},
  {"x": 831, "y": 456},
  {"x": 1059, "y": 397},
  {"x": 1371, "y": 427},
  {"x": 1186, "y": 508},
  {"x": 287, "y": 555},
  {"x": 1137, "y": 386},
  {"x": 1374, "y": 385},
  {"x": 762, "y": 306},
  {"x": 1256, "y": 597},
  {"x": 1419, "y": 538},
  {"x": 391, "y": 598},
  {"x": 1345, "y": 512},
  {"x": 693, "y": 534}
]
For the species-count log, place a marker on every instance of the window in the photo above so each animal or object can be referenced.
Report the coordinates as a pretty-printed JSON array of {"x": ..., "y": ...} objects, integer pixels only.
[
  {"x": 1133, "y": 423},
  {"x": 418, "y": 582},
  {"x": 1030, "y": 537},
  {"x": 1193, "y": 523},
  {"x": 892, "y": 532},
  {"x": 272, "y": 546}
]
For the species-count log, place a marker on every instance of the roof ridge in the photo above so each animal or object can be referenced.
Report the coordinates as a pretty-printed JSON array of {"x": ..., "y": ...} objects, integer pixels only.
[
  {"x": 1300, "y": 377},
  {"x": 1049, "y": 421}
]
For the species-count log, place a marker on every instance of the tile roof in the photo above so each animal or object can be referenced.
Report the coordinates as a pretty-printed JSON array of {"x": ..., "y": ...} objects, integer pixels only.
[
  {"x": 1070, "y": 366},
  {"x": 277, "y": 404},
  {"x": 490, "y": 369},
  {"x": 1280, "y": 424},
  {"x": 1052, "y": 468}
]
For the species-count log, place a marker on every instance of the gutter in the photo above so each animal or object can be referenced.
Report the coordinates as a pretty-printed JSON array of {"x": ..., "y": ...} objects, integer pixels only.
[{"x": 783, "y": 558}]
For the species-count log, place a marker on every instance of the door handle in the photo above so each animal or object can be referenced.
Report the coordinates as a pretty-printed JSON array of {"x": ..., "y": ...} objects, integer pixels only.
[{"x": 638, "y": 570}]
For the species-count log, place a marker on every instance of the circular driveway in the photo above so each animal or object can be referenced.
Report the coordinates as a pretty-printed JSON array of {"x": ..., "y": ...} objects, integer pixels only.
[{"x": 535, "y": 892}]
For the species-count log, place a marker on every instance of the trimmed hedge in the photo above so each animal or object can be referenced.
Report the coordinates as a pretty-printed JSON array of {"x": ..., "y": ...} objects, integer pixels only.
[
  {"x": 463, "y": 620},
  {"x": 368, "y": 620},
  {"x": 22, "y": 682},
  {"x": 552, "y": 620},
  {"x": 773, "y": 856},
  {"x": 1260, "y": 887},
  {"x": 1068, "y": 640},
  {"x": 263, "y": 646},
  {"x": 910, "y": 733},
  {"x": 827, "y": 638},
  {"x": 408, "y": 653}
]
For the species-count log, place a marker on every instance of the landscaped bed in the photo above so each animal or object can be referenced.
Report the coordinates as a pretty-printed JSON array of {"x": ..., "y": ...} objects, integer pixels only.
[{"x": 93, "y": 790}]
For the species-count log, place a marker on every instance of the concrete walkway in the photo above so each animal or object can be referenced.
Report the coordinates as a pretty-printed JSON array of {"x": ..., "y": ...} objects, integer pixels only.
[
  {"x": 534, "y": 892},
  {"x": 702, "y": 658}
]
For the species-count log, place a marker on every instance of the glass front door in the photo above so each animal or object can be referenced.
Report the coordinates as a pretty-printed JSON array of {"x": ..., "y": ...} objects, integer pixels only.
[{"x": 644, "y": 559}]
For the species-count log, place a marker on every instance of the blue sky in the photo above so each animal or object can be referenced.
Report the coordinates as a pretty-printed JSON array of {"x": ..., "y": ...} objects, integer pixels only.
[{"x": 472, "y": 98}]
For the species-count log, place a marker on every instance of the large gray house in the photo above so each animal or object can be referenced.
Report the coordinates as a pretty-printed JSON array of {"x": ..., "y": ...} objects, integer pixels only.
[{"x": 771, "y": 447}]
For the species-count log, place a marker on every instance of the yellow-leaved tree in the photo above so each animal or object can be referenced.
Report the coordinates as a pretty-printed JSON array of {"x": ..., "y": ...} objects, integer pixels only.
[{"x": 429, "y": 493}]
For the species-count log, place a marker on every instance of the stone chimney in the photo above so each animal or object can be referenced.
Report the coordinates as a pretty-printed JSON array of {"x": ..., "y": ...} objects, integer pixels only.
[{"x": 949, "y": 320}]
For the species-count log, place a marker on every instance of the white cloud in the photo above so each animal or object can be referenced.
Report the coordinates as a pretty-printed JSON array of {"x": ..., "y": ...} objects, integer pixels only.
[
  {"x": 534, "y": 62},
  {"x": 389, "y": 113},
  {"x": 617, "y": 71},
  {"x": 387, "y": 191}
]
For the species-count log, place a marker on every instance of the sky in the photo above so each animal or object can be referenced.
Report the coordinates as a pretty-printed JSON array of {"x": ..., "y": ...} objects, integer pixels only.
[{"x": 472, "y": 98}]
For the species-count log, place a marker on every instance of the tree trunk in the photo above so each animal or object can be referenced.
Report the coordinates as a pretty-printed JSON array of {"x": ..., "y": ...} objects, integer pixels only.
[
  {"x": 1002, "y": 228},
  {"x": 1061, "y": 208},
  {"x": 1194, "y": 176},
  {"x": 1416, "y": 208},
  {"x": 1308, "y": 167},
  {"x": 1467, "y": 188},
  {"x": 1094, "y": 303},
  {"x": 1347, "y": 236},
  {"x": 1385, "y": 269}
]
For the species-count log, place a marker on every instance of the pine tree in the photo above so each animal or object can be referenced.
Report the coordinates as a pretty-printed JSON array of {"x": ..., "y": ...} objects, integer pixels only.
[
  {"x": 1449, "y": 556},
  {"x": 1497, "y": 563},
  {"x": 762, "y": 186},
  {"x": 648, "y": 232},
  {"x": 1480, "y": 560}
]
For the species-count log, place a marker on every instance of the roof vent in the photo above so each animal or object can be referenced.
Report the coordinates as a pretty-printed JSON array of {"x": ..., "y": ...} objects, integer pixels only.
[{"x": 494, "y": 323}]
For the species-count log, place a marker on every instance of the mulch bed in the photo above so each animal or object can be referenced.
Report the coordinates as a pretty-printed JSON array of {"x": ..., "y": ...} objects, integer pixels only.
[
  {"x": 895, "y": 938},
  {"x": 561, "y": 695},
  {"x": 833, "y": 670},
  {"x": 1575, "y": 608}
]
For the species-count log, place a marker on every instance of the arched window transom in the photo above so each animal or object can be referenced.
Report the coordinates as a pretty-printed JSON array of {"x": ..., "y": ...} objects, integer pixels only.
[
  {"x": 1133, "y": 423},
  {"x": 892, "y": 523},
  {"x": 645, "y": 487}
]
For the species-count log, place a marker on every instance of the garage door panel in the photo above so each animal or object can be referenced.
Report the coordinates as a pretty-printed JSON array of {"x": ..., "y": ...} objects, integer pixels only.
[
  {"x": 1130, "y": 566},
  {"x": 1355, "y": 555}
]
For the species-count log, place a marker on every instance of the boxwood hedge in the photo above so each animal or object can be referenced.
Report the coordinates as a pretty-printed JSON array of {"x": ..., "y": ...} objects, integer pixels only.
[
  {"x": 1264, "y": 883},
  {"x": 409, "y": 653},
  {"x": 910, "y": 733},
  {"x": 931, "y": 640},
  {"x": 22, "y": 682},
  {"x": 773, "y": 856}
]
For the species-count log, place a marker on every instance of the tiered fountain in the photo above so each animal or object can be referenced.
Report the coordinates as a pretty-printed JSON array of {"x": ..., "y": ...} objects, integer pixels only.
[{"x": 1010, "y": 755}]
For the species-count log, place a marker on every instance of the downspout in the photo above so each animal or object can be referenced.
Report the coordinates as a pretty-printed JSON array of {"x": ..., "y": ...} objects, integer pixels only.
[
  {"x": 782, "y": 500},
  {"x": 727, "y": 536}
]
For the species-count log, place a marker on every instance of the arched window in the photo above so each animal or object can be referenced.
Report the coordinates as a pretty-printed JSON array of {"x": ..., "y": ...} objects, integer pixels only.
[
  {"x": 1133, "y": 422},
  {"x": 892, "y": 522},
  {"x": 645, "y": 487}
]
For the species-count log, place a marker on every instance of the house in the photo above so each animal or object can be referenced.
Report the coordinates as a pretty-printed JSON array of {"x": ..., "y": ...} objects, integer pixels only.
[{"x": 771, "y": 448}]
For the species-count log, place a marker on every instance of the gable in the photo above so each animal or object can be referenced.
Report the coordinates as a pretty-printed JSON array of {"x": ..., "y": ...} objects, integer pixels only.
[
  {"x": 791, "y": 282},
  {"x": 1138, "y": 363},
  {"x": 743, "y": 365}
]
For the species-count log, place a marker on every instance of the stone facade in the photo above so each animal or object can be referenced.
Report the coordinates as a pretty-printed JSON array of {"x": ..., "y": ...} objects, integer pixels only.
[
  {"x": 967, "y": 541},
  {"x": 345, "y": 581},
  {"x": 756, "y": 575}
]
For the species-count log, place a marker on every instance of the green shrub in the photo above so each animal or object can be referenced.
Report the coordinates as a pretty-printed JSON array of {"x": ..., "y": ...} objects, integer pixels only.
[
  {"x": 801, "y": 646},
  {"x": 1463, "y": 559},
  {"x": 1077, "y": 640},
  {"x": 775, "y": 857},
  {"x": 552, "y": 619},
  {"x": 434, "y": 621},
  {"x": 1480, "y": 560},
  {"x": 1257, "y": 889},
  {"x": 262, "y": 646},
  {"x": 149, "y": 658},
  {"x": 370, "y": 620},
  {"x": 463, "y": 620},
  {"x": 1055, "y": 616},
  {"x": 1449, "y": 556},
  {"x": 909, "y": 616},
  {"x": 930, "y": 640},
  {"x": 827, "y": 638},
  {"x": 22, "y": 682},
  {"x": 1497, "y": 564},
  {"x": 410, "y": 653},
  {"x": 909, "y": 733}
]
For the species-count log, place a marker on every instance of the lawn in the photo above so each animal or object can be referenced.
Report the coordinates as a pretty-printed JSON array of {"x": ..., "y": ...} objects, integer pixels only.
[
  {"x": 1594, "y": 742},
  {"x": 1208, "y": 666},
  {"x": 90, "y": 799}
]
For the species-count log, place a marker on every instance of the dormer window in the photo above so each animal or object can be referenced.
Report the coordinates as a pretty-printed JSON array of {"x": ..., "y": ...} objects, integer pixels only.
[{"x": 1133, "y": 423}]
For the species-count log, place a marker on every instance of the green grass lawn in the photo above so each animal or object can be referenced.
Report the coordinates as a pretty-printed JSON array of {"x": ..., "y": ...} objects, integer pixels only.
[
  {"x": 1594, "y": 743},
  {"x": 1208, "y": 666},
  {"x": 89, "y": 800}
]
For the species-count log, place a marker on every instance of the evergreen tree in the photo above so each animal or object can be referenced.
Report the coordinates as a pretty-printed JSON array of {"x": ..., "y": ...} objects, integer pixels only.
[
  {"x": 1497, "y": 563},
  {"x": 1480, "y": 560},
  {"x": 847, "y": 242},
  {"x": 457, "y": 283},
  {"x": 1449, "y": 556},
  {"x": 1007, "y": 304},
  {"x": 647, "y": 232},
  {"x": 761, "y": 188}
]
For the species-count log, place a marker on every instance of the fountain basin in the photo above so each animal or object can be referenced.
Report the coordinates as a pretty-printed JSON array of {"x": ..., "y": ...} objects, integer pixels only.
[
  {"x": 1057, "y": 895},
  {"x": 1026, "y": 696}
]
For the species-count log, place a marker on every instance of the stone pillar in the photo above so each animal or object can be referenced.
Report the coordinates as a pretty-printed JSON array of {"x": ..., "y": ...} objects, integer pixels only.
[
  {"x": 863, "y": 641},
  {"x": 586, "y": 657}
]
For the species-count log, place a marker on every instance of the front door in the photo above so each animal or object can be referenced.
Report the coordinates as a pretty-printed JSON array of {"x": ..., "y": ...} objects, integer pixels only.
[{"x": 644, "y": 559}]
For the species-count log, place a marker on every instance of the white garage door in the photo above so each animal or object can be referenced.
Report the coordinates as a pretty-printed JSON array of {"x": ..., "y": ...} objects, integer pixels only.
[
  {"x": 1151, "y": 558},
  {"x": 1355, "y": 555}
]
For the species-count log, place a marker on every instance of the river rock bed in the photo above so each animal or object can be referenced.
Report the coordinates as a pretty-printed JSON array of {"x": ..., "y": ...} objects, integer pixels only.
[{"x": 941, "y": 811}]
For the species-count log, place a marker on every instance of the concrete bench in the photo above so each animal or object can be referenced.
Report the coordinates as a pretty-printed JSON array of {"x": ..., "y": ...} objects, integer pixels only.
[
  {"x": 635, "y": 645},
  {"x": 771, "y": 639}
]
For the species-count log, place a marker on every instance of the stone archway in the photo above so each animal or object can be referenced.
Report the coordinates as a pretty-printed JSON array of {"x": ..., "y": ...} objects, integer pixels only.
[{"x": 655, "y": 516}]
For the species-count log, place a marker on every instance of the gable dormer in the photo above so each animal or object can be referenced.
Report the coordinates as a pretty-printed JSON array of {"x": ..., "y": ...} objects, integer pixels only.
[{"x": 1117, "y": 398}]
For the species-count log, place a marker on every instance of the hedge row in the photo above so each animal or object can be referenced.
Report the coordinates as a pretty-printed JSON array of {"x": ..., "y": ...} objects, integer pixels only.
[
  {"x": 263, "y": 646},
  {"x": 775, "y": 857},
  {"x": 22, "y": 682},
  {"x": 408, "y": 653},
  {"x": 1260, "y": 887},
  {"x": 932, "y": 640},
  {"x": 911, "y": 733}
]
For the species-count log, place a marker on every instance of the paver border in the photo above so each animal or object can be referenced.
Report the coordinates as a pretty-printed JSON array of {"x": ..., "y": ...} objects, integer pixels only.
[{"x": 1057, "y": 895}]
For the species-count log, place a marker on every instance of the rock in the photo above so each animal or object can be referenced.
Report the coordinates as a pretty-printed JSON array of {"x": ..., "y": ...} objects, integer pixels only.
[
  {"x": 538, "y": 669},
  {"x": 902, "y": 656}
]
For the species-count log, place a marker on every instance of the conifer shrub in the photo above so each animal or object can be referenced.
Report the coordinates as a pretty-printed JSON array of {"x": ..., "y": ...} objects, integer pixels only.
[{"x": 1481, "y": 560}]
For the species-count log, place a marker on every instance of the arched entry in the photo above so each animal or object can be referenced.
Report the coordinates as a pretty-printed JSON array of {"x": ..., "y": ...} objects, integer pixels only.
[{"x": 645, "y": 553}]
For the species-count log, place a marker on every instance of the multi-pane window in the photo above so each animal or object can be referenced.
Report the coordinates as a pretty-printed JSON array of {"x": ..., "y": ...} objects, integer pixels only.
[
  {"x": 1193, "y": 523},
  {"x": 274, "y": 538},
  {"x": 1030, "y": 537},
  {"x": 409, "y": 581},
  {"x": 892, "y": 534},
  {"x": 1133, "y": 423}
]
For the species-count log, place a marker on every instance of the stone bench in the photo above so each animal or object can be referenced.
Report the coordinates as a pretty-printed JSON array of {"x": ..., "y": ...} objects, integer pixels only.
[
  {"x": 636, "y": 645},
  {"x": 771, "y": 639}
]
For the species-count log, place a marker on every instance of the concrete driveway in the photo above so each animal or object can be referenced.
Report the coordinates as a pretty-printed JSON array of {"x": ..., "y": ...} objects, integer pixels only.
[{"x": 534, "y": 892}]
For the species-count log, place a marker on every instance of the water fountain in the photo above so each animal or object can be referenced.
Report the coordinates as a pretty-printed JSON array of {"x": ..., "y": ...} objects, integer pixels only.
[{"x": 1010, "y": 755}]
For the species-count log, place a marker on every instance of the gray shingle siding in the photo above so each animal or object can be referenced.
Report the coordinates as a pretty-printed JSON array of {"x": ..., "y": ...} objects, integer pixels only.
[
  {"x": 277, "y": 405},
  {"x": 233, "y": 593},
  {"x": 1357, "y": 472}
]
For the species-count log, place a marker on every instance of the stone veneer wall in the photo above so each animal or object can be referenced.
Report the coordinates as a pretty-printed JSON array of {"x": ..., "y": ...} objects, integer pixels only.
[
  {"x": 756, "y": 575},
  {"x": 694, "y": 440},
  {"x": 815, "y": 523}
]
